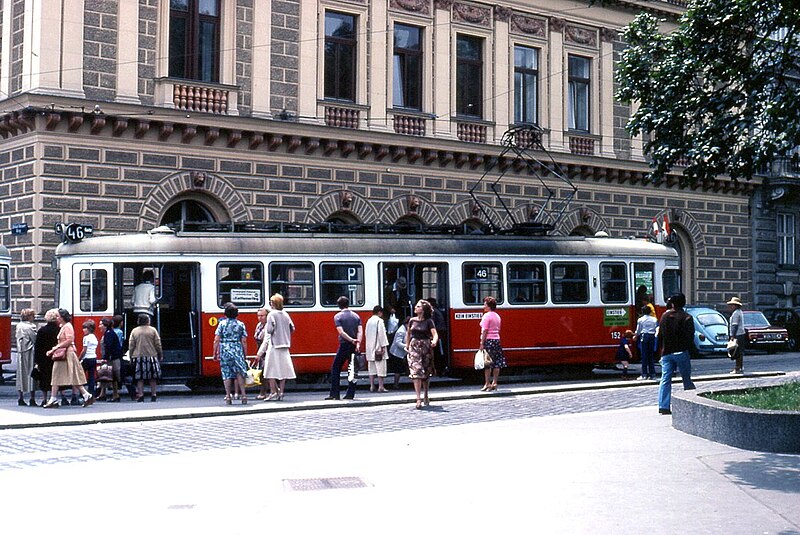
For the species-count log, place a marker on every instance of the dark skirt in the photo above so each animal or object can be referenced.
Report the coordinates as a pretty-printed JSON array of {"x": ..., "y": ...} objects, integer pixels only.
[
  {"x": 492, "y": 346},
  {"x": 146, "y": 368}
]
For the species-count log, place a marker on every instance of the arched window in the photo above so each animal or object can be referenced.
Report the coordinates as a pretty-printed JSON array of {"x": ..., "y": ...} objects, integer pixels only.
[
  {"x": 582, "y": 230},
  {"x": 343, "y": 217},
  {"x": 187, "y": 210}
]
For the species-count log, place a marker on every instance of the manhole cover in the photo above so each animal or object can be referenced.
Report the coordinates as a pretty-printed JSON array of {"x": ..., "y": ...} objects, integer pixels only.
[{"x": 322, "y": 483}]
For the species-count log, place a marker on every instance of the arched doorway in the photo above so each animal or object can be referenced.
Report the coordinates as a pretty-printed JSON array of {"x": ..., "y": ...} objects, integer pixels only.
[{"x": 686, "y": 256}]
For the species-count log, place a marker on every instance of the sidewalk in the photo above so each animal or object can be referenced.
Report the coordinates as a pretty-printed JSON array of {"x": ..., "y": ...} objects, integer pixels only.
[{"x": 175, "y": 402}]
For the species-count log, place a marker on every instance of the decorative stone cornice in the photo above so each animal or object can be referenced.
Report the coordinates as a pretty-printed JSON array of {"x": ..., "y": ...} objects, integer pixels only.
[
  {"x": 338, "y": 143},
  {"x": 526, "y": 25},
  {"x": 421, "y": 7},
  {"x": 580, "y": 35},
  {"x": 481, "y": 16}
]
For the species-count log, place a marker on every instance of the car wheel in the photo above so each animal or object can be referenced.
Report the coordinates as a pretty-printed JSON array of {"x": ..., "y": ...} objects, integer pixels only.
[{"x": 791, "y": 344}]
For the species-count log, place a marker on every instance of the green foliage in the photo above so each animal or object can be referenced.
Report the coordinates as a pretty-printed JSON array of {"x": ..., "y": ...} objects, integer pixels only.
[
  {"x": 721, "y": 92},
  {"x": 777, "y": 398}
]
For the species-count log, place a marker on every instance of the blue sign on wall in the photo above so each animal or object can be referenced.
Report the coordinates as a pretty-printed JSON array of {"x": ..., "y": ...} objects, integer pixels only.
[{"x": 19, "y": 228}]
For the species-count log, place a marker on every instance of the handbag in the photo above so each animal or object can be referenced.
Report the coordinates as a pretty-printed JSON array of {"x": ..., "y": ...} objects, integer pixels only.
[
  {"x": 59, "y": 354},
  {"x": 105, "y": 372},
  {"x": 253, "y": 376},
  {"x": 379, "y": 350},
  {"x": 360, "y": 361},
  {"x": 480, "y": 359},
  {"x": 732, "y": 347},
  {"x": 487, "y": 359}
]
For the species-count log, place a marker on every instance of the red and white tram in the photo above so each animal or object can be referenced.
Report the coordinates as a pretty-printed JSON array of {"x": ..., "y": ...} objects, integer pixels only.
[
  {"x": 563, "y": 300},
  {"x": 5, "y": 305}
]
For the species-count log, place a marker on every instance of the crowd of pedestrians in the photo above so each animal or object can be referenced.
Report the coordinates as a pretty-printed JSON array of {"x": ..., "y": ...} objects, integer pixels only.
[{"x": 49, "y": 362}]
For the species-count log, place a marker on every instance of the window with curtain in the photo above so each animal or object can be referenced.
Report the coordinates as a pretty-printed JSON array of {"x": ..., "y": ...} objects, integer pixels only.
[
  {"x": 194, "y": 37},
  {"x": 786, "y": 233},
  {"x": 526, "y": 84},
  {"x": 340, "y": 56},
  {"x": 469, "y": 76},
  {"x": 407, "y": 67},
  {"x": 579, "y": 80}
]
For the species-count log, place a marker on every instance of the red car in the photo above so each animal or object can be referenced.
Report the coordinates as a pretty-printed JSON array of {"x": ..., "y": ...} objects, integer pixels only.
[{"x": 761, "y": 334}]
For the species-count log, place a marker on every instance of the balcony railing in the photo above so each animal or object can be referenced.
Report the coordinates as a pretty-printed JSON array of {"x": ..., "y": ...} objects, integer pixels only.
[
  {"x": 411, "y": 125},
  {"x": 471, "y": 132},
  {"x": 582, "y": 145},
  {"x": 341, "y": 116},
  {"x": 197, "y": 96}
]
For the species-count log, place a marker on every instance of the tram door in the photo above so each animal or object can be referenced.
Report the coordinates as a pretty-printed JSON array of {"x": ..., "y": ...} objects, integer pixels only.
[
  {"x": 406, "y": 283},
  {"x": 176, "y": 313}
]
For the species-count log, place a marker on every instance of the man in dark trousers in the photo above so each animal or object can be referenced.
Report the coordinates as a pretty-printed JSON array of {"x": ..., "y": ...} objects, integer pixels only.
[
  {"x": 675, "y": 340},
  {"x": 350, "y": 331}
]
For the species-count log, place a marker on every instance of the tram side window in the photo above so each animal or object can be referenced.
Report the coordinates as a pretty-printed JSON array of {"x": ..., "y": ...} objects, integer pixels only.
[
  {"x": 240, "y": 283},
  {"x": 613, "y": 282},
  {"x": 338, "y": 279},
  {"x": 294, "y": 281},
  {"x": 671, "y": 281},
  {"x": 570, "y": 282},
  {"x": 643, "y": 279},
  {"x": 526, "y": 283},
  {"x": 482, "y": 280},
  {"x": 93, "y": 290},
  {"x": 5, "y": 301}
]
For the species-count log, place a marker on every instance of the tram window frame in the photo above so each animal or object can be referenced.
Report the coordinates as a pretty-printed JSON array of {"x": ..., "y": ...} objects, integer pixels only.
[
  {"x": 5, "y": 289},
  {"x": 328, "y": 299},
  {"x": 558, "y": 283},
  {"x": 611, "y": 285},
  {"x": 92, "y": 300},
  {"x": 474, "y": 285},
  {"x": 535, "y": 286},
  {"x": 296, "y": 292},
  {"x": 254, "y": 282}
]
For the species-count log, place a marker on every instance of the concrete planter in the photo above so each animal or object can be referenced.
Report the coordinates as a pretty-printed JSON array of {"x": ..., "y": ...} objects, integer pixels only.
[{"x": 741, "y": 427}]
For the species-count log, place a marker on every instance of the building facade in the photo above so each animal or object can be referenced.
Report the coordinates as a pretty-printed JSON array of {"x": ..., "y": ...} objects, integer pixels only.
[{"x": 129, "y": 114}]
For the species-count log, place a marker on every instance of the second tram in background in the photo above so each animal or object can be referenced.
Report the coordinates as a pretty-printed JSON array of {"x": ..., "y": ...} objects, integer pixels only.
[
  {"x": 5, "y": 305},
  {"x": 563, "y": 300}
]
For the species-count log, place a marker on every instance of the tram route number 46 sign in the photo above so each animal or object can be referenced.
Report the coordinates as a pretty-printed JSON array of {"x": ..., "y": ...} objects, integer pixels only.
[
  {"x": 73, "y": 232},
  {"x": 616, "y": 317}
]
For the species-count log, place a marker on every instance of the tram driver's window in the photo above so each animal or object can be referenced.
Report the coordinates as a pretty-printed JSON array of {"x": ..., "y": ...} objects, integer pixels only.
[
  {"x": 613, "y": 282},
  {"x": 569, "y": 282},
  {"x": 240, "y": 283},
  {"x": 671, "y": 282},
  {"x": 482, "y": 280},
  {"x": 294, "y": 281},
  {"x": 526, "y": 283},
  {"x": 5, "y": 301},
  {"x": 93, "y": 290},
  {"x": 341, "y": 279}
]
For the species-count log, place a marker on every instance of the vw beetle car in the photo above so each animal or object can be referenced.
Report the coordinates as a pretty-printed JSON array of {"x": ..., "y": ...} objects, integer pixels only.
[
  {"x": 761, "y": 334},
  {"x": 710, "y": 330}
]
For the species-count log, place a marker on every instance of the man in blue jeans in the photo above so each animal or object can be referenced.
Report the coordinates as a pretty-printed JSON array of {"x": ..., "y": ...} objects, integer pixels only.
[
  {"x": 675, "y": 339},
  {"x": 350, "y": 331}
]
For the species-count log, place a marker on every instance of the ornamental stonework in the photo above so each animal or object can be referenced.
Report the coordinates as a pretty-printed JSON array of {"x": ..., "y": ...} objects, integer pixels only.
[
  {"x": 502, "y": 14},
  {"x": 443, "y": 4},
  {"x": 421, "y": 7},
  {"x": 580, "y": 36},
  {"x": 608, "y": 35},
  {"x": 557, "y": 24},
  {"x": 522, "y": 24},
  {"x": 472, "y": 14}
]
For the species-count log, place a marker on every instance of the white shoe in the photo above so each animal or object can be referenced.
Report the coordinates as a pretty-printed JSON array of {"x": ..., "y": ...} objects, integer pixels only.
[{"x": 52, "y": 404}]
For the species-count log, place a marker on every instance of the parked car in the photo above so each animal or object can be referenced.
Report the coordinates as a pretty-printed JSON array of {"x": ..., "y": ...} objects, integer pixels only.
[
  {"x": 761, "y": 334},
  {"x": 789, "y": 319},
  {"x": 710, "y": 330}
]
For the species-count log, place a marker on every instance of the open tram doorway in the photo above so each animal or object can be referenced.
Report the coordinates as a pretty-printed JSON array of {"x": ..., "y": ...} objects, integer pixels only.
[
  {"x": 176, "y": 313},
  {"x": 405, "y": 283}
]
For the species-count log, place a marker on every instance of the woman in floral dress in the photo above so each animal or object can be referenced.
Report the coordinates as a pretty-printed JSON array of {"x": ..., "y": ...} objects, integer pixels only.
[
  {"x": 230, "y": 341},
  {"x": 421, "y": 337}
]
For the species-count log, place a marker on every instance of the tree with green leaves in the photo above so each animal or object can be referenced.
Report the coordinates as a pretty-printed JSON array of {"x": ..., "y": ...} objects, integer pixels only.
[{"x": 720, "y": 93}]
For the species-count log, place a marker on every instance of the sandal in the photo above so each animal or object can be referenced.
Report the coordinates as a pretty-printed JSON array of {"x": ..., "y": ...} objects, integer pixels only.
[
  {"x": 244, "y": 400},
  {"x": 228, "y": 400},
  {"x": 261, "y": 397}
]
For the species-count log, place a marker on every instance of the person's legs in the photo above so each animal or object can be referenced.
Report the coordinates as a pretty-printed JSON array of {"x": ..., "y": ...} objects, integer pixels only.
[
  {"x": 486, "y": 378},
  {"x": 426, "y": 383},
  {"x": 684, "y": 363},
  {"x": 139, "y": 389},
  {"x": 417, "y": 390},
  {"x": 665, "y": 388},
  {"x": 336, "y": 370},
  {"x": 282, "y": 389},
  {"x": 495, "y": 376},
  {"x": 153, "y": 387}
]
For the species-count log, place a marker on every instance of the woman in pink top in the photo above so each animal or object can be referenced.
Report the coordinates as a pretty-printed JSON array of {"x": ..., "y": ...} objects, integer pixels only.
[{"x": 490, "y": 341}]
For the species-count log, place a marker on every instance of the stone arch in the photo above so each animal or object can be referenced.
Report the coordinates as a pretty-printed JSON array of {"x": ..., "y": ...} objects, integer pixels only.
[
  {"x": 400, "y": 207},
  {"x": 345, "y": 203},
  {"x": 219, "y": 195},
  {"x": 689, "y": 243},
  {"x": 466, "y": 211},
  {"x": 583, "y": 218}
]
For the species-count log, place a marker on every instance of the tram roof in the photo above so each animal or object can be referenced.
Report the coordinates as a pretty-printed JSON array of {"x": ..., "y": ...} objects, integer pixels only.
[{"x": 359, "y": 244}]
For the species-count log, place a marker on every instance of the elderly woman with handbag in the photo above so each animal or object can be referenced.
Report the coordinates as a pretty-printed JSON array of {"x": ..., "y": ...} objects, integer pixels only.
[
  {"x": 375, "y": 350},
  {"x": 277, "y": 360},
  {"x": 26, "y": 340},
  {"x": 230, "y": 342},
  {"x": 67, "y": 369}
]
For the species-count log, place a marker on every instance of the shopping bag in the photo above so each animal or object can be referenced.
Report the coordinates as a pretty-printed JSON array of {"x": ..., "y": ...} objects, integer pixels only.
[
  {"x": 480, "y": 359},
  {"x": 253, "y": 377}
]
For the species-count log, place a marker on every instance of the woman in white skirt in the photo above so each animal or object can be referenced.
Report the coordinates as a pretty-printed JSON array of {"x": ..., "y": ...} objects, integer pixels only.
[
  {"x": 67, "y": 369},
  {"x": 377, "y": 341},
  {"x": 277, "y": 362}
]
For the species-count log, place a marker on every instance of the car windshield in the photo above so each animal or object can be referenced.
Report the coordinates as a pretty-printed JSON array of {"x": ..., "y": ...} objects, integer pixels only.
[
  {"x": 709, "y": 319},
  {"x": 755, "y": 319}
]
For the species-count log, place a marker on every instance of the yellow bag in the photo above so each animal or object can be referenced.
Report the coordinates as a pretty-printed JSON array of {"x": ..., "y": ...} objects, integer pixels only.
[{"x": 253, "y": 377}]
